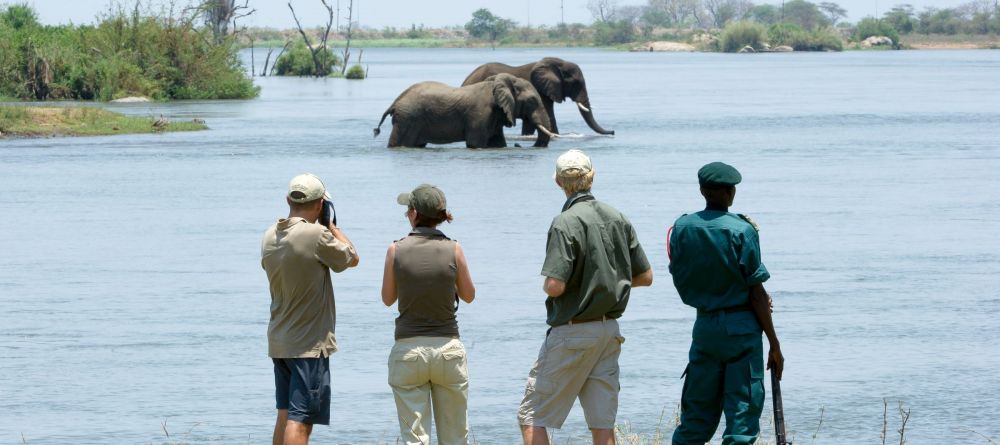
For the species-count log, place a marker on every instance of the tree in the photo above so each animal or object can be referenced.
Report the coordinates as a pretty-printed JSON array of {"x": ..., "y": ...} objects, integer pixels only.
[
  {"x": 219, "y": 14},
  {"x": 901, "y": 18},
  {"x": 485, "y": 25},
  {"x": 766, "y": 14},
  {"x": 833, "y": 12},
  {"x": 805, "y": 14},
  {"x": 19, "y": 16},
  {"x": 317, "y": 52},
  {"x": 604, "y": 11},
  {"x": 724, "y": 11}
]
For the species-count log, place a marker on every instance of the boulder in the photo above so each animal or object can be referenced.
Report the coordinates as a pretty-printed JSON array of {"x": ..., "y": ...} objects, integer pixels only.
[
  {"x": 783, "y": 49},
  {"x": 131, "y": 100},
  {"x": 876, "y": 41},
  {"x": 664, "y": 47}
]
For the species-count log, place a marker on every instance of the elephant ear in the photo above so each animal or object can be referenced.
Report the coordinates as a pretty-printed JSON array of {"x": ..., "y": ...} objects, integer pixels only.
[
  {"x": 547, "y": 79},
  {"x": 503, "y": 94}
]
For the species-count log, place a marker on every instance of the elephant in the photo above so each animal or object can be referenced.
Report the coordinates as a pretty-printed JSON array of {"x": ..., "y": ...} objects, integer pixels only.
[
  {"x": 432, "y": 112},
  {"x": 555, "y": 79}
]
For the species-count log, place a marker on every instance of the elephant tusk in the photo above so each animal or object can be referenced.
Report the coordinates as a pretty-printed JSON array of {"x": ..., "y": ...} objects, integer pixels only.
[
  {"x": 583, "y": 108},
  {"x": 547, "y": 132}
]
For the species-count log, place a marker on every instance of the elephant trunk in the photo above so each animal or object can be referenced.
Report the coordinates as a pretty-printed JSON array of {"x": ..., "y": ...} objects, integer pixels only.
[
  {"x": 544, "y": 135},
  {"x": 583, "y": 103}
]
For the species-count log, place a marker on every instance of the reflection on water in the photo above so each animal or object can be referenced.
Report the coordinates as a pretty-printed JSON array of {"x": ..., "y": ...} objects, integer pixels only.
[{"x": 133, "y": 292}]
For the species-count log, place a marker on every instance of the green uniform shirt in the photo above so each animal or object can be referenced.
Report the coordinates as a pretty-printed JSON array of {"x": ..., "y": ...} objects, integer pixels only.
[
  {"x": 715, "y": 259},
  {"x": 593, "y": 249}
]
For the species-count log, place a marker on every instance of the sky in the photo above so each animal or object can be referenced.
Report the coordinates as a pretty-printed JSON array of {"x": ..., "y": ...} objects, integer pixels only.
[{"x": 431, "y": 13}]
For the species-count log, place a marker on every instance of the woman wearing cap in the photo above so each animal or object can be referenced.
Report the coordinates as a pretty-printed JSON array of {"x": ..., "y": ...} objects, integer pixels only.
[{"x": 427, "y": 273}]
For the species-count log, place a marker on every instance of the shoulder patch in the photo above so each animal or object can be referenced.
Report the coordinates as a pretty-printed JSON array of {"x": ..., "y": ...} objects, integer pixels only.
[{"x": 752, "y": 222}]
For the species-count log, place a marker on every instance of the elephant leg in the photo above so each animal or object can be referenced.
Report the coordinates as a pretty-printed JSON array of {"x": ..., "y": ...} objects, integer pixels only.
[
  {"x": 477, "y": 140},
  {"x": 394, "y": 138},
  {"x": 497, "y": 141},
  {"x": 552, "y": 116},
  {"x": 527, "y": 127}
]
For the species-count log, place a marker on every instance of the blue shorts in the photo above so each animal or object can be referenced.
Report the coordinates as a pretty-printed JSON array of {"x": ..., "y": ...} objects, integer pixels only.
[{"x": 302, "y": 386}]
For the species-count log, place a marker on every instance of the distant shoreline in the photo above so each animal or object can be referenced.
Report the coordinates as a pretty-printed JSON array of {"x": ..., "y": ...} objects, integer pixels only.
[
  {"x": 49, "y": 121},
  {"x": 912, "y": 42}
]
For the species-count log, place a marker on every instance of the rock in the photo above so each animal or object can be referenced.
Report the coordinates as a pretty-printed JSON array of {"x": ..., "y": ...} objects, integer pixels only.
[
  {"x": 131, "y": 100},
  {"x": 664, "y": 46},
  {"x": 876, "y": 41},
  {"x": 783, "y": 49},
  {"x": 747, "y": 49}
]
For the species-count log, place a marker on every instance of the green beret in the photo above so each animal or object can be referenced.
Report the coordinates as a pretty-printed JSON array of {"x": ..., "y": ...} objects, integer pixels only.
[{"x": 718, "y": 173}]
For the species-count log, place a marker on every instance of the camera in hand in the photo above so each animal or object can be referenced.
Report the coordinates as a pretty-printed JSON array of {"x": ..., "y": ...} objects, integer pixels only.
[{"x": 329, "y": 214}]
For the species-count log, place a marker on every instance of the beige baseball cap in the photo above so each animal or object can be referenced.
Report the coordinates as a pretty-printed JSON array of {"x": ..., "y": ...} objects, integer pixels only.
[
  {"x": 306, "y": 187},
  {"x": 572, "y": 164}
]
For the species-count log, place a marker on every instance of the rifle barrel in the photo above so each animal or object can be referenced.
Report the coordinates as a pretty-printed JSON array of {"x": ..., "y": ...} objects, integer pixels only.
[{"x": 779, "y": 411}]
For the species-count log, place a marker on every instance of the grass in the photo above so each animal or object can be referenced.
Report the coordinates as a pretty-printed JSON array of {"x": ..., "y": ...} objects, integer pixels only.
[
  {"x": 80, "y": 121},
  {"x": 664, "y": 430}
]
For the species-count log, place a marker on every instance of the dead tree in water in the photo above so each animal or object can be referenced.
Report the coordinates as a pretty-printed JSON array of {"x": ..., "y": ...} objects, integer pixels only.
[
  {"x": 318, "y": 52},
  {"x": 264, "y": 72},
  {"x": 220, "y": 14},
  {"x": 347, "y": 47}
]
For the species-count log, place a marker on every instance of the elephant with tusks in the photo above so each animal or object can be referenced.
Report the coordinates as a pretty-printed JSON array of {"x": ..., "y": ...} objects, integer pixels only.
[
  {"x": 555, "y": 79},
  {"x": 435, "y": 113}
]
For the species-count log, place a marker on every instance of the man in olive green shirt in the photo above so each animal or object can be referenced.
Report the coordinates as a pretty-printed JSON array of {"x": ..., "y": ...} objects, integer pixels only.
[
  {"x": 592, "y": 261},
  {"x": 297, "y": 254}
]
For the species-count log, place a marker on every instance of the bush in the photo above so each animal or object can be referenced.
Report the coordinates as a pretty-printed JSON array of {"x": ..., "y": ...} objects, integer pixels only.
[
  {"x": 790, "y": 34},
  {"x": 869, "y": 27},
  {"x": 356, "y": 72},
  {"x": 298, "y": 61},
  {"x": 126, "y": 54},
  {"x": 614, "y": 33},
  {"x": 737, "y": 35}
]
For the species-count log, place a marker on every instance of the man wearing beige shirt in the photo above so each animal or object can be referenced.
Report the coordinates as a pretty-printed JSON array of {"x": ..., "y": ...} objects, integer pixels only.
[{"x": 297, "y": 253}]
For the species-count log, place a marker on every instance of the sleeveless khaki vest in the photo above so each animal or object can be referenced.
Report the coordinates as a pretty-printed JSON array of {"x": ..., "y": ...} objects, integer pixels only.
[{"x": 425, "y": 271}]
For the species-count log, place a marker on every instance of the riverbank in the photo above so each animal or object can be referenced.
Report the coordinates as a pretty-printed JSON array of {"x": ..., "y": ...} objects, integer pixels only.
[{"x": 82, "y": 121}]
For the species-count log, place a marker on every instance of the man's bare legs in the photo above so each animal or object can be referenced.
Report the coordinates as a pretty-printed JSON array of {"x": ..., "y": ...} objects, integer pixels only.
[
  {"x": 534, "y": 435},
  {"x": 279, "y": 428},
  {"x": 290, "y": 432},
  {"x": 603, "y": 437}
]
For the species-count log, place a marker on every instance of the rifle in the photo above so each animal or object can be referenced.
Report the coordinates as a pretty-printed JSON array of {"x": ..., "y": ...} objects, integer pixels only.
[{"x": 779, "y": 411}]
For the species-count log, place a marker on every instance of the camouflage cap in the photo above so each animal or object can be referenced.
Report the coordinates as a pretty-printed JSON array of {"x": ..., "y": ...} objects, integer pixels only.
[
  {"x": 718, "y": 173},
  {"x": 426, "y": 199}
]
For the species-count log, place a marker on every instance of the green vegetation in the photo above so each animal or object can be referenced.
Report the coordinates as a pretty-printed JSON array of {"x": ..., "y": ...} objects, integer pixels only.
[
  {"x": 484, "y": 25},
  {"x": 818, "y": 26},
  {"x": 298, "y": 61},
  {"x": 356, "y": 72},
  {"x": 738, "y": 35},
  {"x": 84, "y": 121},
  {"x": 789, "y": 34},
  {"x": 126, "y": 54},
  {"x": 869, "y": 27}
]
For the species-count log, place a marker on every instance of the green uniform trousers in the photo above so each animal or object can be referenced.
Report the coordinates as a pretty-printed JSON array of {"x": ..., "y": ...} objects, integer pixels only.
[{"x": 725, "y": 374}]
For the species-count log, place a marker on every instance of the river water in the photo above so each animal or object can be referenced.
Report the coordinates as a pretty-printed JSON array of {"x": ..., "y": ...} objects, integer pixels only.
[{"x": 133, "y": 295}]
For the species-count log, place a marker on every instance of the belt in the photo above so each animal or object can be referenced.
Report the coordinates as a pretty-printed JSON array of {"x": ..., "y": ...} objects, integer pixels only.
[
  {"x": 727, "y": 310},
  {"x": 587, "y": 320}
]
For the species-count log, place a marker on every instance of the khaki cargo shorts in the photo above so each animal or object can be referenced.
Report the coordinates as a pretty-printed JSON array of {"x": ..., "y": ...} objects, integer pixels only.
[{"x": 576, "y": 360}]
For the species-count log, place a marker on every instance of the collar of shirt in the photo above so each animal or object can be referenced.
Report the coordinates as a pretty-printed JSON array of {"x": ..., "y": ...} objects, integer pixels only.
[
  {"x": 426, "y": 231},
  {"x": 285, "y": 223},
  {"x": 578, "y": 197}
]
